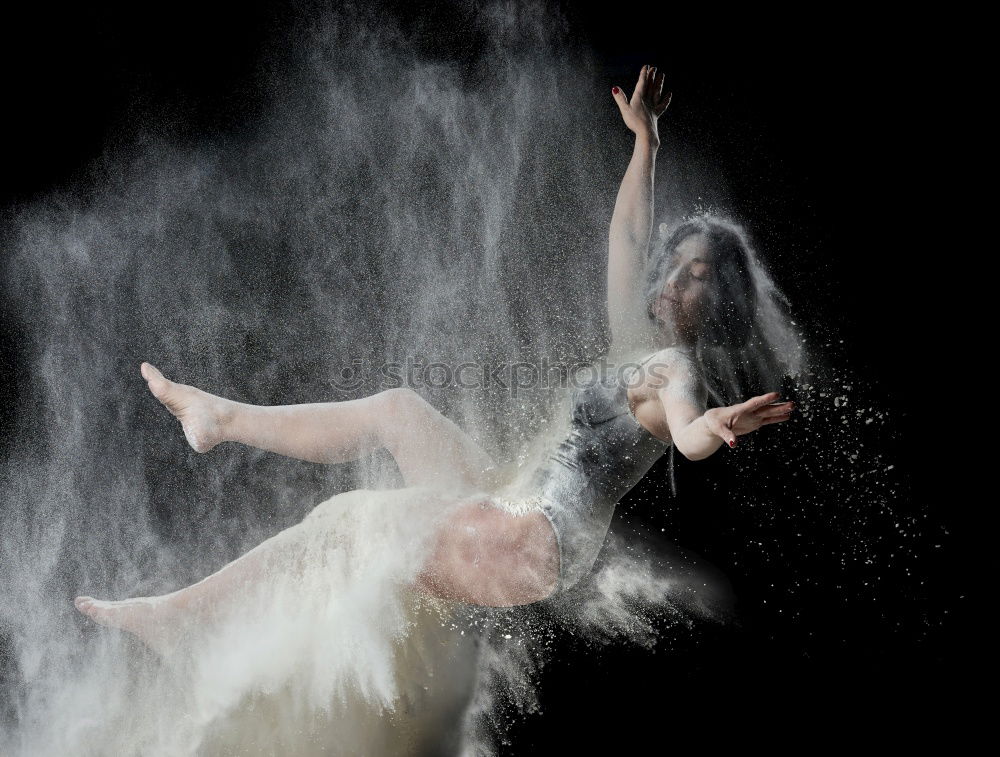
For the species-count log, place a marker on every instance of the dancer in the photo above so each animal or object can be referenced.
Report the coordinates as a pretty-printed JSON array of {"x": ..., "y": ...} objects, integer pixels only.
[{"x": 701, "y": 313}]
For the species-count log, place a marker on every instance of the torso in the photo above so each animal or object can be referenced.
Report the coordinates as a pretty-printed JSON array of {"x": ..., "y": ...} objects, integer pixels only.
[
  {"x": 604, "y": 452},
  {"x": 638, "y": 423}
]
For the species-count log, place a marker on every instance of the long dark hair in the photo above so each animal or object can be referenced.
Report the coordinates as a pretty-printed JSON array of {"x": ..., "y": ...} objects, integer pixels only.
[{"x": 749, "y": 342}]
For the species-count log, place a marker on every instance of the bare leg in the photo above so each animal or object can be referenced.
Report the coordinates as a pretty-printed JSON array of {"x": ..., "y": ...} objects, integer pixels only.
[
  {"x": 428, "y": 448},
  {"x": 481, "y": 555},
  {"x": 161, "y": 621},
  {"x": 487, "y": 556}
]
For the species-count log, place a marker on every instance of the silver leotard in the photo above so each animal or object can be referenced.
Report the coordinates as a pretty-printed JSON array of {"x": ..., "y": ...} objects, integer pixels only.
[{"x": 605, "y": 453}]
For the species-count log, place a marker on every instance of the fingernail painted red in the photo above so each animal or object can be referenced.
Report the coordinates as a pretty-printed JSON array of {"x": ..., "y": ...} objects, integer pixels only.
[
  {"x": 732, "y": 444},
  {"x": 614, "y": 90}
]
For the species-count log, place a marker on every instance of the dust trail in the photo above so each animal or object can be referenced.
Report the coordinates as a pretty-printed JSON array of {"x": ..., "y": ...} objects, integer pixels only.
[{"x": 393, "y": 205}]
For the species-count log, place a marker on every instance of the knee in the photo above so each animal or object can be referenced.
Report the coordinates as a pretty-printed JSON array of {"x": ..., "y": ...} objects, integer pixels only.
[
  {"x": 398, "y": 405},
  {"x": 398, "y": 398}
]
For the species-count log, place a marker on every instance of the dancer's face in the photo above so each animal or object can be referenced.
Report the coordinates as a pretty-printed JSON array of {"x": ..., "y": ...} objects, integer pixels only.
[{"x": 686, "y": 293}]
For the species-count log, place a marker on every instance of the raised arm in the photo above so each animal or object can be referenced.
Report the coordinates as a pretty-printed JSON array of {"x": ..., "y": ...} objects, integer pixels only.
[{"x": 632, "y": 221}]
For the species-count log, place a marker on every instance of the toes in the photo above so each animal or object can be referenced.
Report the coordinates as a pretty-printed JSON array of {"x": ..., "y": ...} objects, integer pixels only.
[
  {"x": 100, "y": 611},
  {"x": 156, "y": 380},
  {"x": 87, "y": 605}
]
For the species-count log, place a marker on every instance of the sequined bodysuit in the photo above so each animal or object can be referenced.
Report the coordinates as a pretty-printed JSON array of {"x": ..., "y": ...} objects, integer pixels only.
[{"x": 605, "y": 453}]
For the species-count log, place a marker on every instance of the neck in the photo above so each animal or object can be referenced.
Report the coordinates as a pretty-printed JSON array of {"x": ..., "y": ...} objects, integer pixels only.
[{"x": 670, "y": 337}]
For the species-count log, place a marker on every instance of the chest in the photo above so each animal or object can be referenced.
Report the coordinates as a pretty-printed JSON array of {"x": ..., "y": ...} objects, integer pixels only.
[{"x": 645, "y": 406}]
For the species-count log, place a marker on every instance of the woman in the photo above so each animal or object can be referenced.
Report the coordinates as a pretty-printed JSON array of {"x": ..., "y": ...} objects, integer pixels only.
[{"x": 701, "y": 299}]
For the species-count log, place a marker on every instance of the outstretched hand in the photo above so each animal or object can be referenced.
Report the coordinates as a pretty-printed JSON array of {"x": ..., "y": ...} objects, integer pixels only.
[
  {"x": 729, "y": 422},
  {"x": 648, "y": 103}
]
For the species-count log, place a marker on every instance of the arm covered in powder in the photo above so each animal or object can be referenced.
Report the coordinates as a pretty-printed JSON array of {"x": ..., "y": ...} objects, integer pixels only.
[
  {"x": 698, "y": 433},
  {"x": 631, "y": 223}
]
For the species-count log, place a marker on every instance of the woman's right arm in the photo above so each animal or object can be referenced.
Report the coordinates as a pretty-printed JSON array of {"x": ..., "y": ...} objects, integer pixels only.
[{"x": 631, "y": 223}]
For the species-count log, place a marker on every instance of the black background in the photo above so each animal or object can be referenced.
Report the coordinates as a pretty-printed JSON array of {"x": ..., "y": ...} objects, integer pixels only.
[{"x": 820, "y": 125}]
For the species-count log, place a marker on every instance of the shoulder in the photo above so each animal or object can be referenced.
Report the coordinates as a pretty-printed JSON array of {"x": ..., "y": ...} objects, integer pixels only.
[
  {"x": 671, "y": 362},
  {"x": 676, "y": 372},
  {"x": 674, "y": 355}
]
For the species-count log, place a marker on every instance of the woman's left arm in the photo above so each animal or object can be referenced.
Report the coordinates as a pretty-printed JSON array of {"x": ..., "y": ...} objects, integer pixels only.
[{"x": 698, "y": 433}]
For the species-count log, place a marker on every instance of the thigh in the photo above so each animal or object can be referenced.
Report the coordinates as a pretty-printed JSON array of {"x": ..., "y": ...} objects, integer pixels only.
[
  {"x": 429, "y": 449},
  {"x": 488, "y": 556}
]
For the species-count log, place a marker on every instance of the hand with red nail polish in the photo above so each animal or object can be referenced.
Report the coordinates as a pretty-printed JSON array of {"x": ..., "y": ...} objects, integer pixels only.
[
  {"x": 648, "y": 103},
  {"x": 729, "y": 422}
]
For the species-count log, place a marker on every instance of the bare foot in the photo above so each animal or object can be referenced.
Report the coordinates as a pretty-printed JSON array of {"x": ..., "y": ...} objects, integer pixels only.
[
  {"x": 154, "y": 622},
  {"x": 203, "y": 416}
]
